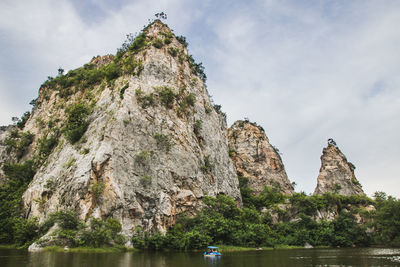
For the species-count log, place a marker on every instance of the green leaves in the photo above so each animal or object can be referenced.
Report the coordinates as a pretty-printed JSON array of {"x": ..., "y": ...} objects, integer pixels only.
[{"x": 77, "y": 123}]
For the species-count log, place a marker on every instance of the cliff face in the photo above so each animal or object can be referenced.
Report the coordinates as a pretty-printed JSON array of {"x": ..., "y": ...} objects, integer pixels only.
[
  {"x": 336, "y": 174},
  {"x": 154, "y": 146},
  {"x": 255, "y": 158}
]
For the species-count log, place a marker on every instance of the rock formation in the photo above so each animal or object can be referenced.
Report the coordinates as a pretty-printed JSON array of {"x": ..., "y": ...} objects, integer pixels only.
[
  {"x": 336, "y": 174},
  {"x": 154, "y": 144},
  {"x": 255, "y": 158}
]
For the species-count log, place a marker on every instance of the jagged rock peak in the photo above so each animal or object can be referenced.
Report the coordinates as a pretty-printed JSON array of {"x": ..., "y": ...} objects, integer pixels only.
[
  {"x": 256, "y": 159},
  {"x": 336, "y": 174},
  {"x": 151, "y": 144}
]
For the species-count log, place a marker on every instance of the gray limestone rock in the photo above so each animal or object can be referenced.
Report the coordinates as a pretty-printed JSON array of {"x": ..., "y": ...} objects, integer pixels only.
[
  {"x": 256, "y": 159},
  {"x": 337, "y": 174},
  {"x": 142, "y": 164}
]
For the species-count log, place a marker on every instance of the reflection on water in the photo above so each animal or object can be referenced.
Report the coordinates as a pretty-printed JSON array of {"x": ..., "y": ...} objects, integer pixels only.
[{"x": 299, "y": 257}]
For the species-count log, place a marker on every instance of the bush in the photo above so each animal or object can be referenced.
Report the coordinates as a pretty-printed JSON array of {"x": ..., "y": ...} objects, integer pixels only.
[
  {"x": 167, "y": 96},
  {"x": 77, "y": 123},
  {"x": 218, "y": 109},
  {"x": 66, "y": 219},
  {"x": 142, "y": 157},
  {"x": 98, "y": 189},
  {"x": 198, "y": 125},
  {"x": 17, "y": 179},
  {"x": 208, "y": 165},
  {"x": 22, "y": 121},
  {"x": 19, "y": 142},
  {"x": 182, "y": 40},
  {"x": 112, "y": 71},
  {"x": 163, "y": 142},
  {"x": 167, "y": 40},
  {"x": 190, "y": 99},
  {"x": 145, "y": 180},
  {"x": 46, "y": 145},
  {"x": 173, "y": 51},
  {"x": 25, "y": 231},
  {"x": 158, "y": 43},
  {"x": 138, "y": 43},
  {"x": 122, "y": 91},
  {"x": 387, "y": 222},
  {"x": 101, "y": 233},
  {"x": 144, "y": 100}
]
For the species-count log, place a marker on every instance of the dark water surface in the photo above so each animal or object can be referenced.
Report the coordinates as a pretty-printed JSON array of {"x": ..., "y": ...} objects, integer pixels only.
[{"x": 292, "y": 257}]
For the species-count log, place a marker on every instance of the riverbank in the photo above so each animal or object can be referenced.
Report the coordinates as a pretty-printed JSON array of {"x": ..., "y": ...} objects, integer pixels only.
[
  {"x": 91, "y": 249},
  {"x": 223, "y": 248}
]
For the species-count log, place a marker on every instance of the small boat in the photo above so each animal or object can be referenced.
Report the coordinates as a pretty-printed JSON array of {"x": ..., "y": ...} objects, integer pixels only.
[{"x": 212, "y": 251}]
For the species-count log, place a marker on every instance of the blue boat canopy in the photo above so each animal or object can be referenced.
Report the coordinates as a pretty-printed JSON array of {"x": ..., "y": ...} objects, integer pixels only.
[{"x": 212, "y": 247}]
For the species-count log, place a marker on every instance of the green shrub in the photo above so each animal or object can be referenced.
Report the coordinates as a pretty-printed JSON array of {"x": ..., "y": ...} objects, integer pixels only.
[
  {"x": 19, "y": 173},
  {"x": 167, "y": 96},
  {"x": 131, "y": 66},
  {"x": 98, "y": 189},
  {"x": 144, "y": 100},
  {"x": 208, "y": 166},
  {"x": 173, "y": 51},
  {"x": 112, "y": 71},
  {"x": 145, "y": 180},
  {"x": 218, "y": 109},
  {"x": 69, "y": 163},
  {"x": 167, "y": 40},
  {"x": 190, "y": 99},
  {"x": 25, "y": 231},
  {"x": 142, "y": 157},
  {"x": 122, "y": 91},
  {"x": 163, "y": 142},
  {"x": 182, "y": 40},
  {"x": 198, "y": 125},
  {"x": 45, "y": 146},
  {"x": 139, "y": 42},
  {"x": 102, "y": 233},
  {"x": 77, "y": 123},
  {"x": 158, "y": 43},
  {"x": 22, "y": 121},
  {"x": 66, "y": 219},
  {"x": 18, "y": 142},
  {"x": 387, "y": 221}
]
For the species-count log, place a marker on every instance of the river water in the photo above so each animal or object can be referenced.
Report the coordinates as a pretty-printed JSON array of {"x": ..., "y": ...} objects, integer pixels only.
[{"x": 276, "y": 258}]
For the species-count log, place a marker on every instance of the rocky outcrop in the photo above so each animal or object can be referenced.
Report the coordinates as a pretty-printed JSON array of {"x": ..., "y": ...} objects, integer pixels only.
[
  {"x": 336, "y": 174},
  {"x": 255, "y": 158},
  {"x": 154, "y": 146}
]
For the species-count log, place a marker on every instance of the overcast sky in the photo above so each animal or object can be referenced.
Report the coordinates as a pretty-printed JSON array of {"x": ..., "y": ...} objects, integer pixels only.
[{"x": 305, "y": 71}]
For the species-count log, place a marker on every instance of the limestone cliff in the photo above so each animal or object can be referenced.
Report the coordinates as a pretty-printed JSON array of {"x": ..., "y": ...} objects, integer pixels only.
[
  {"x": 255, "y": 158},
  {"x": 154, "y": 144},
  {"x": 336, "y": 174}
]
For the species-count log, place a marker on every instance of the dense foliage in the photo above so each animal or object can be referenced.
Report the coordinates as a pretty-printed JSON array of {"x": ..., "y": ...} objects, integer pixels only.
[
  {"x": 77, "y": 122},
  {"x": 272, "y": 219},
  {"x": 19, "y": 176}
]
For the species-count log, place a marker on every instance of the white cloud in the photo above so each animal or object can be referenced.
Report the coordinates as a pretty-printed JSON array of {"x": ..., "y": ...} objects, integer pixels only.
[
  {"x": 305, "y": 71},
  {"x": 306, "y": 77}
]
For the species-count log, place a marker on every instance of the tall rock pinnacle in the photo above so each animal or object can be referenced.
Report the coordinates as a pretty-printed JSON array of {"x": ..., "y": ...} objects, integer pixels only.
[
  {"x": 256, "y": 159},
  {"x": 137, "y": 138},
  {"x": 336, "y": 174}
]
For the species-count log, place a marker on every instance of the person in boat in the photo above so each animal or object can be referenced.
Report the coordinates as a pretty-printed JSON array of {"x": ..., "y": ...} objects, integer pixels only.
[{"x": 212, "y": 251}]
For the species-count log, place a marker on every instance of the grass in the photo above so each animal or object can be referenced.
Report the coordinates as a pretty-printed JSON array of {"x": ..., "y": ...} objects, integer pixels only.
[
  {"x": 90, "y": 249},
  {"x": 227, "y": 248},
  {"x": 4, "y": 246}
]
